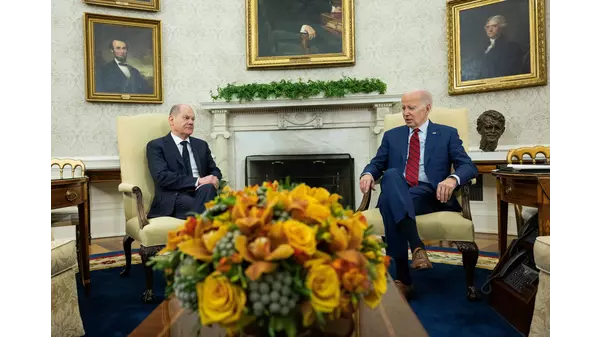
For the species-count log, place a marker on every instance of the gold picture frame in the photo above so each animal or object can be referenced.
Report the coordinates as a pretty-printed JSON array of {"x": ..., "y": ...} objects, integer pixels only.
[
  {"x": 495, "y": 45},
  {"x": 276, "y": 37},
  {"x": 123, "y": 59},
  {"x": 144, "y": 5}
]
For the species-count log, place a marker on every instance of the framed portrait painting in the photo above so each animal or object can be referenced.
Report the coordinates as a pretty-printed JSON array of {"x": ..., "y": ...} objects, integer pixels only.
[
  {"x": 299, "y": 33},
  {"x": 145, "y": 5},
  {"x": 123, "y": 59},
  {"x": 495, "y": 45}
]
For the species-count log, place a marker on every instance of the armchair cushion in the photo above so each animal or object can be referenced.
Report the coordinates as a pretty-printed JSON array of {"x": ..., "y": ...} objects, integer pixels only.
[
  {"x": 153, "y": 234},
  {"x": 63, "y": 256},
  {"x": 64, "y": 305},
  {"x": 541, "y": 253},
  {"x": 449, "y": 226}
]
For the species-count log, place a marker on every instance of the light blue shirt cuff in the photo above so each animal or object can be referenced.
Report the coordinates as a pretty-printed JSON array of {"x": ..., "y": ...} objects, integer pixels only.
[{"x": 457, "y": 178}]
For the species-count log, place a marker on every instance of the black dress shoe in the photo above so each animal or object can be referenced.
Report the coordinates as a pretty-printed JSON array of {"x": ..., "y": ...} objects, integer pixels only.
[{"x": 403, "y": 289}]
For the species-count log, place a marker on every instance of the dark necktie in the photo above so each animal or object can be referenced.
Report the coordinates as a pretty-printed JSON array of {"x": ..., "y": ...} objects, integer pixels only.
[
  {"x": 123, "y": 64},
  {"x": 414, "y": 156},
  {"x": 186, "y": 158}
]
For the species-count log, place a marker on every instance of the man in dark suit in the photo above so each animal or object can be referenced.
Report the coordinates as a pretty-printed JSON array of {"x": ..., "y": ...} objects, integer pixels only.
[
  {"x": 501, "y": 57},
  {"x": 117, "y": 76},
  {"x": 414, "y": 161},
  {"x": 302, "y": 17},
  {"x": 184, "y": 172}
]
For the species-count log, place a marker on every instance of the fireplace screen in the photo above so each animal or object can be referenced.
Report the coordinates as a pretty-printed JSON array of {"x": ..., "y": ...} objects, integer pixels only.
[{"x": 334, "y": 172}]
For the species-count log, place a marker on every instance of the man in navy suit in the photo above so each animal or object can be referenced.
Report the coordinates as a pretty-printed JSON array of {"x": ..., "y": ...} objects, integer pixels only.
[
  {"x": 414, "y": 163},
  {"x": 184, "y": 172}
]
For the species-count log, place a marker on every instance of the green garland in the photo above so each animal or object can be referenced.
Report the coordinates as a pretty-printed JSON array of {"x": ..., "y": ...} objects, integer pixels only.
[{"x": 299, "y": 90}]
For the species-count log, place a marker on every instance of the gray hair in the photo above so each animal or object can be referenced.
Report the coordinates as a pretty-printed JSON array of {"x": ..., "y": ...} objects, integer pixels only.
[
  {"x": 426, "y": 97},
  {"x": 176, "y": 109},
  {"x": 498, "y": 18}
]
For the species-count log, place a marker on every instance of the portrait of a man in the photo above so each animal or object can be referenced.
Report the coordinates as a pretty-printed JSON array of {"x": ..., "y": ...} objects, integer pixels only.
[
  {"x": 118, "y": 76},
  {"x": 495, "y": 45},
  {"x": 300, "y": 33},
  {"x": 123, "y": 59},
  {"x": 297, "y": 27}
]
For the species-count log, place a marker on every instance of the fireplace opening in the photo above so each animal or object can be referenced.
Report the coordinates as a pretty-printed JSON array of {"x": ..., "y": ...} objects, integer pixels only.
[{"x": 334, "y": 172}]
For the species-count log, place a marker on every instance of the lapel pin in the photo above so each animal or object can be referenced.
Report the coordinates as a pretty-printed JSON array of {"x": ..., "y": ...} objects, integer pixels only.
[{"x": 434, "y": 133}]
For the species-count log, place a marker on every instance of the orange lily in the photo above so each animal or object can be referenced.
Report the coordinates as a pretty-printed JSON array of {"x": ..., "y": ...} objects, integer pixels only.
[{"x": 260, "y": 254}]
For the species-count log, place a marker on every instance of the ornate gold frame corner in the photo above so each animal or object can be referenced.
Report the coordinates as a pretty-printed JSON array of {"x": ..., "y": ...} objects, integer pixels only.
[
  {"x": 90, "y": 84},
  {"x": 346, "y": 58},
  {"x": 152, "y": 5},
  {"x": 538, "y": 75}
]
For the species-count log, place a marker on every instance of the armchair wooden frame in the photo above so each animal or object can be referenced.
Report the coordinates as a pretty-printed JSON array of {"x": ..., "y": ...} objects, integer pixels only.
[{"x": 469, "y": 250}]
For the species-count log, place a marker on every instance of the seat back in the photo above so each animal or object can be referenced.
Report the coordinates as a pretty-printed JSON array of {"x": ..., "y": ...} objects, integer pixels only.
[
  {"x": 456, "y": 118},
  {"x": 532, "y": 152},
  {"x": 133, "y": 134},
  {"x": 64, "y": 162}
]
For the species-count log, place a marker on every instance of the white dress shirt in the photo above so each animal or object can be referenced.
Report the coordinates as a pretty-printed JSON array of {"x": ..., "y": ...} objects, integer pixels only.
[
  {"x": 189, "y": 147},
  {"x": 124, "y": 69},
  {"x": 422, "y": 142},
  {"x": 492, "y": 42}
]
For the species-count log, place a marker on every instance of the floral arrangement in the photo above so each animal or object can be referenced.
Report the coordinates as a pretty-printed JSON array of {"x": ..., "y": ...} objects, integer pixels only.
[{"x": 281, "y": 258}]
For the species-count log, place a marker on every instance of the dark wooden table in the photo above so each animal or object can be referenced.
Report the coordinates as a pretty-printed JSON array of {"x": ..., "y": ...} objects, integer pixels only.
[
  {"x": 392, "y": 318},
  {"x": 74, "y": 192},
  {"x": 526, "y": 189}
]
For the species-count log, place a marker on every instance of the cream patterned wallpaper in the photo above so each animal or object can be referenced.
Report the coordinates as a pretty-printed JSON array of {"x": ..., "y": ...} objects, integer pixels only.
[{"x": 401, "y": 42}]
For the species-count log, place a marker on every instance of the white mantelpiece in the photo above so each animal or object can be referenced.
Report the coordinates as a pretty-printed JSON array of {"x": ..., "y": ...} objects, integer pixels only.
[{"x": 351, "y": 125}]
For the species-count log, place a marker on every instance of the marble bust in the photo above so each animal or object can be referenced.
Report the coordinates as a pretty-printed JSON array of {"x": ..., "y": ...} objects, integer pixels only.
[{"x": 490, "y": 125}]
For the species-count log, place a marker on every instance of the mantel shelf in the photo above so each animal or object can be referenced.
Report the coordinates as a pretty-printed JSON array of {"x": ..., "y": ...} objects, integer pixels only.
[{"x": 364, "y": 100}]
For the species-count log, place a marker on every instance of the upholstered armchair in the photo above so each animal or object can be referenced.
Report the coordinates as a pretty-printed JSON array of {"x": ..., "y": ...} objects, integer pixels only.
[
  {"x": 447, "y": 226},
  {"x": 133, "y": 134},
  {"x": 65, "y": 315},
  {"x": 540, "y": 322}
]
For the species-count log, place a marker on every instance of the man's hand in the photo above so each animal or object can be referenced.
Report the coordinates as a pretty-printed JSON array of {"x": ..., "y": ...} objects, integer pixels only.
[
  {"x": 366, "y": 183},
  {"x": 445, "y": 189},
  {"x": 311, "y": 32},
  {"x": 210, "y": 179}
]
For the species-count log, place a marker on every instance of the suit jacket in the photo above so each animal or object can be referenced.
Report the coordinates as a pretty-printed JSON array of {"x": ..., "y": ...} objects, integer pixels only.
[
  {"x": 168, "y": 171},
  {"x": 443, "y": 148},
  {"x": 505, "y": 59},
  {"x": 110, "y": 78}
]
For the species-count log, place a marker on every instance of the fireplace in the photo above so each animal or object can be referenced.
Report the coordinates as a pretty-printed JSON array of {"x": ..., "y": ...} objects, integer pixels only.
[{"x": 334, "y": 172}]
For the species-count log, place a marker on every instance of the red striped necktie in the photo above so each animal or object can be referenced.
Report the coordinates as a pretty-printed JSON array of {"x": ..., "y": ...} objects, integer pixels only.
[{"x": 414, "y": 156}]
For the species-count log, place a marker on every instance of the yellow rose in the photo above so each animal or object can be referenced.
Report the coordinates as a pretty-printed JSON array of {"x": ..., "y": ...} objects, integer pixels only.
[
  {"x": 300, "y": 236},
  {"x": 219, "y": 301},
  {"x": 324, "y": 284}
]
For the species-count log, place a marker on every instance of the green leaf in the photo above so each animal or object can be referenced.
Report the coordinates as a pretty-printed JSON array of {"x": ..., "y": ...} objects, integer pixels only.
[
  {"x": 320, "y": 318},
  {"x": 272, "y": 327}
]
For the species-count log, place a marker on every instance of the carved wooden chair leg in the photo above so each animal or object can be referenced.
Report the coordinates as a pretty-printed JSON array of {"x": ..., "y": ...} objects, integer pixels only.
[
  {"x": 127, "y": 240},
  {"x": 146, "y": 253},
  {"x": 470, "y": 254}
]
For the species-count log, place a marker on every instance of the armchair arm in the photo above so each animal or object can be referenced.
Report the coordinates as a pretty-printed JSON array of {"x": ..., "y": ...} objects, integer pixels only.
[
  {"x": 131, "y": 189},
  {"x": 465, "y": 198},
  {"x": 364, "y": 204}
]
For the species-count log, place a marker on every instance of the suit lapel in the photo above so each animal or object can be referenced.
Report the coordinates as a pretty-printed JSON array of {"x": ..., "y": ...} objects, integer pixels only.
[
  {"x": 431, "y": 141},
  {"x": 172, "y": 148},
  {"x": 404, "y": 142}
]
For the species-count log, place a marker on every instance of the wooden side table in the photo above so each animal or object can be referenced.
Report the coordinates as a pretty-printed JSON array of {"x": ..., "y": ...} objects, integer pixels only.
[
  {"x": 74, "y": 192},
  {"x": 526, "y": 189}
]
